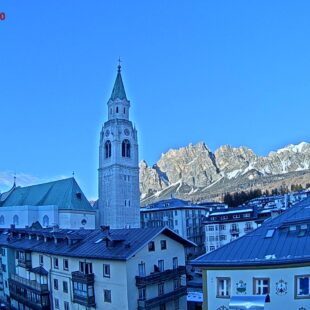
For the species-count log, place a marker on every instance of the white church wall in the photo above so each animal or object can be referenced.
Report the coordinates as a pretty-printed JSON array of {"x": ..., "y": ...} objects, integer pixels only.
[{"x": 76, "y": 219}]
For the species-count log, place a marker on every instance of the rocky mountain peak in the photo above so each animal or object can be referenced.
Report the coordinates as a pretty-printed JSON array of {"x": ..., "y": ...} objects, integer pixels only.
[{"x": 193, "y": 170}]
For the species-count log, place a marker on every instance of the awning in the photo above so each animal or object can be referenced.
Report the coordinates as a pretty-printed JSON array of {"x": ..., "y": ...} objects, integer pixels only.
[{"x": 244, "y": 302}]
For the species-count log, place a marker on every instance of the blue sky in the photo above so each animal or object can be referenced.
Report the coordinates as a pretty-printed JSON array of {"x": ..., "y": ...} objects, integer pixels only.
[{"x": 222, "y": 72}]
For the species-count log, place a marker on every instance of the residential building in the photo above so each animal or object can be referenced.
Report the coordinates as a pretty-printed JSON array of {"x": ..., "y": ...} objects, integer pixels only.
[
  {"x": 183, "y": 217},
  {"x": 119, "y": 195},
  {"x": 93, "y": 269},
  {"x": 272, "y": 261},
  {"x": 59, "y": 203},
  {"x": 227, "y": 224}
]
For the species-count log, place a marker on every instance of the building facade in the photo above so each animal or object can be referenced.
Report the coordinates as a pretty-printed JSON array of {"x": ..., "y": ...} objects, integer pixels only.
[
  {"x": 273, "y": 261},
  {"x": 96, "y": 269},
  {"x": 59, "y": 203},
  {"x": 183, "y": 217},
  {"x": 119, "y": 195}
]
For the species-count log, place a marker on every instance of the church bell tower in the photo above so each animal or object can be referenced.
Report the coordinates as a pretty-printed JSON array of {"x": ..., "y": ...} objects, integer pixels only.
[{"x": 119, "y": 195}]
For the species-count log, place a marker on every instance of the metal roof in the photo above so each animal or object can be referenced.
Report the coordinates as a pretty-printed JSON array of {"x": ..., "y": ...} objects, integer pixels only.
[
  {"x": 116, "y": 244},
  {"x": 118, "y": 91},
  {"x": 284, "y": 246},
  {"x": 66, "y": 194}
]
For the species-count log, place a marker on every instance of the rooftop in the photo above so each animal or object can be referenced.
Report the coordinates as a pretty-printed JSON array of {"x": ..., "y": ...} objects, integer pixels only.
[
  {"x": 66, "y": 194},
  {"x": 284, "y": 239},
  {"x": 116, "y": 244}
]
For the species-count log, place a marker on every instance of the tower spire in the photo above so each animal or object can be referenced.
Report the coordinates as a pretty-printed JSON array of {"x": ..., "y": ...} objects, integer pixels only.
[{"x": 118, "y": 91}]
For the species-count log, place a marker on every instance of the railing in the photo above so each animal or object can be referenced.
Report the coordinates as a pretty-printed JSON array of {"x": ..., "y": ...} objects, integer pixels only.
[
  {"x": 83, "y": 277},
  {"x": 155, "y": 302},
  {"x": 88, "y": 301},
  {"x": 234, "y": 231},
  {"x": 30, "y": 283},
  {"x": 157, "y": 277}
]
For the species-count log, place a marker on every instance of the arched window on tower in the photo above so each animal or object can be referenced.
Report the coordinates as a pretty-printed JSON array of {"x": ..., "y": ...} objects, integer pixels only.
[
  {"x": 1, "y": 220},
  {"x": 45, "y": 221},
  {"x": 116, "y": 109},
  {"x": 15, "y": 219},
  {"x": 107, "y": 149},
  {"x": 126, "y": 148}
]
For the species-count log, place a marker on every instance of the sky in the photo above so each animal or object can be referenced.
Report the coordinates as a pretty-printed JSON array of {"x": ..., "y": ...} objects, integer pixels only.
[{"x": 221, "y": 72}]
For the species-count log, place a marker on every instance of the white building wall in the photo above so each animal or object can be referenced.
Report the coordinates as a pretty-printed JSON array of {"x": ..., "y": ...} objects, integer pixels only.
[
  {"x": 174, "y": 249},
  {"x": 277, "y": 301}
]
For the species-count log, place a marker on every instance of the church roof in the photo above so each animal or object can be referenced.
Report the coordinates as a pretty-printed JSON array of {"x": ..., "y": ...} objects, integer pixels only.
[
  {"x": 284, "y": 239},
  {"x": 66, "y": 194},
  {"x": 118, "y": 91}
]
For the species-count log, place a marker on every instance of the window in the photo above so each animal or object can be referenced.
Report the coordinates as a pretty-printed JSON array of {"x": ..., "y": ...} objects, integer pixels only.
[
  {"x": 65, "y": 286},
  {"x": 106, "y": 270},
  {"x": 161, "y": 265},
  {"x": 261, "y": 286},
  {"x": 141, "y": 267},
  {"x": 45, "y": 221},
  {"x": 107, "y": 149},
  {"x": 83, "y": 290},
  {"x": 126, "y": 148},
  {"x": 176, "y": 304},
  {"x": 55, "y": 262},
  {"x": 55, "y": 284},
  {"x": 222, "y": 237},
  {"x": 107, "y": 296},
  {"x": 86, "y": 268},
  {"x": 3, "y": 268},
  {"x": 142, "y": 293},
  {"x": 212, "y": 248},
  {"x": 176, "y": 283},
  {"x": 222, "y": 227},
  {"x": 211, "y": 228},
  {"x": 116, "y": 109},
  {"x": 41, "y": 260},
  {"x": 151, "y": 246},
  {"x": 65, "y": 264},
  {"x": 3, "y": 251},
  {"x": 124, "y": 110},
  {"x": 269, "y": 233},
  {"x": 163, "y": 244},
  {"x": 302, "y": 286},
  {"x": 1, "y": 220},
  {"x": 56, "y": 303},
  {"x": 236, "y": 216},
  {"x": 162, "y": 307},
  {"x": 175, "y": 262},
  {"x": 66, "y": 305},
  {"x": 15, "y": 219},
  {"x": 176, "y": 222},
  {"x": 223, "y": 287},
  {"x": 161, "y": 289}
]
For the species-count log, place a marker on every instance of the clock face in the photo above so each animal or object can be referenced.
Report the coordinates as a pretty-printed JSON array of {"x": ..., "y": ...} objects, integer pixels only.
[
  {"x": 126, "y": 132},
  {"x": 107, "y": 133}
]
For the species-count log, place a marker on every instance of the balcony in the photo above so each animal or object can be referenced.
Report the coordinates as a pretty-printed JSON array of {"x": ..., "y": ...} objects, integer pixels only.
[
  {"x": 24, "y": 259},
  {"x": 88, "y": 301},
  {"x": 33, "y": 284},
  {"x": 248, "y": 229},
  {"x": 29, "y": 292},
  {"x": 234, "y": 231},
  {"x": 78, "y": 276},
  {"x": 157, "y": 277},
  {"x": 155, "y": 302},
  {"x": 83, "y": 288}
]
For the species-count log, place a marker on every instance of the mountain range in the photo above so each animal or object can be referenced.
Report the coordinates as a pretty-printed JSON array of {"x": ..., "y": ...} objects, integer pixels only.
[{"x": 196, "y": 173}]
